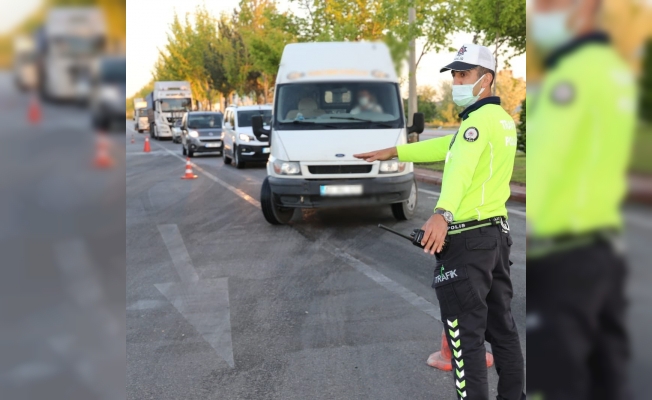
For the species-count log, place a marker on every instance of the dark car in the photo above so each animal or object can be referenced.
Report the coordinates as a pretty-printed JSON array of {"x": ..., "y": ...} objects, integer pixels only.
[
  {"x": 201, "y": 132},
  {"x": 108, "y": 94}
]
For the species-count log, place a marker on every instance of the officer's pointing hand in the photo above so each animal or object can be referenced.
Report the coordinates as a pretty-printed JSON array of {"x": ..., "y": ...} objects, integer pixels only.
[
  {"x": 435, "y": 230},
  {"x": 382, "y": 155}
]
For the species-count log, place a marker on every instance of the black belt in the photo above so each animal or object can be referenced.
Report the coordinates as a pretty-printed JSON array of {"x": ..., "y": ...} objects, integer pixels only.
[
  {"x": 502, "y": 221},
  {"x": 542, "y": 246}
]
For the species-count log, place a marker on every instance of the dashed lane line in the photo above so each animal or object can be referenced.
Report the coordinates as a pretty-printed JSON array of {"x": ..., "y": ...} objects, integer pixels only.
[{"x": 215, "y": 179}]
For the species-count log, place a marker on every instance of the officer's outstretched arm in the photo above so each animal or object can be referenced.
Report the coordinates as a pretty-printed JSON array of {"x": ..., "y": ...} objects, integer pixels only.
[
  {"x": 427, "y": 151},
  {"x": 461, "y": 162}
]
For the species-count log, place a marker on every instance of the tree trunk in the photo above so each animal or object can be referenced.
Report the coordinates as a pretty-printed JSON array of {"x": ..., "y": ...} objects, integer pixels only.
[{"x": 265, "y": 88}]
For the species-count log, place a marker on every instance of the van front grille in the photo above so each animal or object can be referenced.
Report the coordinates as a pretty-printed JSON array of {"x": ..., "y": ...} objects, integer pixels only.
[{"x": 339, "y": 169}]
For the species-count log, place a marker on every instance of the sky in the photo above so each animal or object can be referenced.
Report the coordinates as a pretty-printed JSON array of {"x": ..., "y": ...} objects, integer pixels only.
[
  {"x": 18, "y": 11},
  {"x": 147, "y": 28}
]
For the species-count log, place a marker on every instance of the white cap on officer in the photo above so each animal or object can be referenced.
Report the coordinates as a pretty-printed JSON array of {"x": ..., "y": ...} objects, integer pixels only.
[{"x": 470, "y": 56}]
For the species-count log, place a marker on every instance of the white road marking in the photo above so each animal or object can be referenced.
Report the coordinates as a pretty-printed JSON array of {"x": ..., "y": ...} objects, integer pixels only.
[
  {"x": 419, "y": 302},
  {"x": 178, "y": 252},
  {"x": 203, "y": 303},
  {"x": 146, "y": 305}
]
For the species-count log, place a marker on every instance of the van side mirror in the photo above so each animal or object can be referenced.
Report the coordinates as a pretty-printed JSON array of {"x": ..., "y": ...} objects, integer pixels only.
[
  {"x": 261, "y": 133},
  {"x": 418, "y": 124}
]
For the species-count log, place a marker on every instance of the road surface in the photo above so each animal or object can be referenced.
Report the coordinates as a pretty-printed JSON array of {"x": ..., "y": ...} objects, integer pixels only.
[{"x": 222, "y": 305}]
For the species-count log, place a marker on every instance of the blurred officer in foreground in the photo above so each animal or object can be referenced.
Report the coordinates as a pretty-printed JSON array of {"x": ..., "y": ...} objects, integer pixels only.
[
  {"x": 469, "y": 230},
  {"x": 581, "y": 124}
]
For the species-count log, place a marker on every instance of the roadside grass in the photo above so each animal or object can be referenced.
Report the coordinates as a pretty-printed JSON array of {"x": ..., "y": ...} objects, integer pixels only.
[
  {"x": 518, "y": 176},
  {"x": 642, "y": 153}
]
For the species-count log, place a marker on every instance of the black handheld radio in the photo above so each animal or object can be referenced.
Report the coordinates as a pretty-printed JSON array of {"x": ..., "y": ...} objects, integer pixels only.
[{"x": 415, "y": 237}]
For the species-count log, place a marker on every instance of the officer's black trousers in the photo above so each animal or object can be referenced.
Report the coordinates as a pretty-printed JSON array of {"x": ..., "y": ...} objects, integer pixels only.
[
  {"x": 576, "y": 333},
  {"x": 474, "y": 288}
]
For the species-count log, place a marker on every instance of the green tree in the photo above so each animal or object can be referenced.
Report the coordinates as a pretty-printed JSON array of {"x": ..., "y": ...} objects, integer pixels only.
[
  {"x": 184, "y": 55},
  {"x": 384, "y": 20},
  {"x": 646, "y": 84},
  {"x": 520, "y": 144},
  {"x": 425, "y": 102},
  {"x": 497, "y": 23},
  {"x": 265, "y": 32}
]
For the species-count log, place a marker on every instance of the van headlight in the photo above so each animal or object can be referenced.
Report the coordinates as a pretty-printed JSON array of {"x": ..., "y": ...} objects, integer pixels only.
[
  {"x": 388, "y": 167},
  {"x": 244, "y": 137},
  {"x": 193, "y": 134},
  {"x": 287, "y": 168}
]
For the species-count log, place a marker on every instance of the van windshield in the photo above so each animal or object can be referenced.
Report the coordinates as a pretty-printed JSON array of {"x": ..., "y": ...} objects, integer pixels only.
[
  {"x": 337, "y": 105},
  {"x": 244, "y": 117}
]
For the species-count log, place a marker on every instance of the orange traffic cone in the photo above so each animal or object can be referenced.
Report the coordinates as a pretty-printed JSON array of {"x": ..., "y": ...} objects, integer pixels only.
[
  {"x": 34, "y": 111},
  {"x": 102, "y": 156},
  {"x": 442, "y": 359},
  {"x": 146, "y": 149},
  {"x": 189, "y": 174}
]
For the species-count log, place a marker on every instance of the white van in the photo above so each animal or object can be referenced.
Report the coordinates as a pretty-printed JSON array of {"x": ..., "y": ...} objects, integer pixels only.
[
  {"x": 240, "y": 145},
  {"x": 320, "y": 120}
]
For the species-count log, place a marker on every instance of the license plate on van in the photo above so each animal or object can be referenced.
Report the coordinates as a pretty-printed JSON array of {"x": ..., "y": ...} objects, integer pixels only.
[
  {"x": 213, "y": 144},
  {"x": 340, "y": 190}
]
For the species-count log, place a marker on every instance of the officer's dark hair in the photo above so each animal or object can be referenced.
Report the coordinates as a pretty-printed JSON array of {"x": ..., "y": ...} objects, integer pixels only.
[{"x": 483, "y": 70}]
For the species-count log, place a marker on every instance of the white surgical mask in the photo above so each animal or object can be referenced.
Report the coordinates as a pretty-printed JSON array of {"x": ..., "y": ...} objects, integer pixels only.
[
  {"x": 463, "y": 94},
  {"x": 364, "y": 101},
  {"x": 549, "y": 30}
]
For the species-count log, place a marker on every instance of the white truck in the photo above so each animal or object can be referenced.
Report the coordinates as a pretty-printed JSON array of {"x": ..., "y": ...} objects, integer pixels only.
[
  {"x": 140, "y": 115},
  {"x": 333, "y": 100},
  {"x": 25, "y": 62},
  {"x": 166, "y": 104},
  {"x": 74, "y": 40}
]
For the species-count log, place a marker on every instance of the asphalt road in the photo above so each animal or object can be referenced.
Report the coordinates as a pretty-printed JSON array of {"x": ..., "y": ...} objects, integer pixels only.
[
  {"x": 62, "y": 230},
  {"x": 429, "y": 133},
  {"x": 222, "y": 305}
]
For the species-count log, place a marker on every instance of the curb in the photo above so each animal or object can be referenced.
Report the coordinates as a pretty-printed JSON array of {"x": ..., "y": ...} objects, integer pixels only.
[{"x": 434, "y": 177}]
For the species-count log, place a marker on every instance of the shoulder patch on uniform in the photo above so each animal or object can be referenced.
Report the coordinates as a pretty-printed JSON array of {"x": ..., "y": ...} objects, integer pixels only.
[
  {"x": 471, "y": 134},
  {"x": 563, "y": 93}
]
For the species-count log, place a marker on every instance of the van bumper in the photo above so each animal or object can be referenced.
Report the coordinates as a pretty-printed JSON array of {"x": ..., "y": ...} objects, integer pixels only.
[{"x": 304, "y": 193}]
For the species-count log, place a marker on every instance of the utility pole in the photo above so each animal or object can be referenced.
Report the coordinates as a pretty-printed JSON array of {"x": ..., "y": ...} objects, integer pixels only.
[{"x": 412, "y": 89}]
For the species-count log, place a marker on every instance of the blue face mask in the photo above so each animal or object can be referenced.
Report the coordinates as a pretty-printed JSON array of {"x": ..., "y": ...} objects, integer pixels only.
[
  {"x": 463, "y": 94},
  {"x": 549, "y": 30}
]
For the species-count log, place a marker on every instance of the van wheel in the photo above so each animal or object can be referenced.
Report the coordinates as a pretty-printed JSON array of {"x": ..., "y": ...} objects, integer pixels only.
[
  {"x": 238, "y": 163},
  {"x": 405, "y": 211},
  {"x": 274, "y": 214}
]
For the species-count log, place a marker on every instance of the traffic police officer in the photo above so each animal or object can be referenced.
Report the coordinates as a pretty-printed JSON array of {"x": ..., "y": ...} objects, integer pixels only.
[
  {"x": 581, "y": 124},
  {"x": 469, "y": 230}
]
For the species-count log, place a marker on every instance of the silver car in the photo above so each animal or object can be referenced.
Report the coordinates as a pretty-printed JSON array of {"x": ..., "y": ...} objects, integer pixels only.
[{"x": 176, "y": 131}]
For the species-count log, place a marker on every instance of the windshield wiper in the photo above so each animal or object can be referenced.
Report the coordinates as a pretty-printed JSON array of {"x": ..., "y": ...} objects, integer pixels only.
[{"x": 385, "y": 124}]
